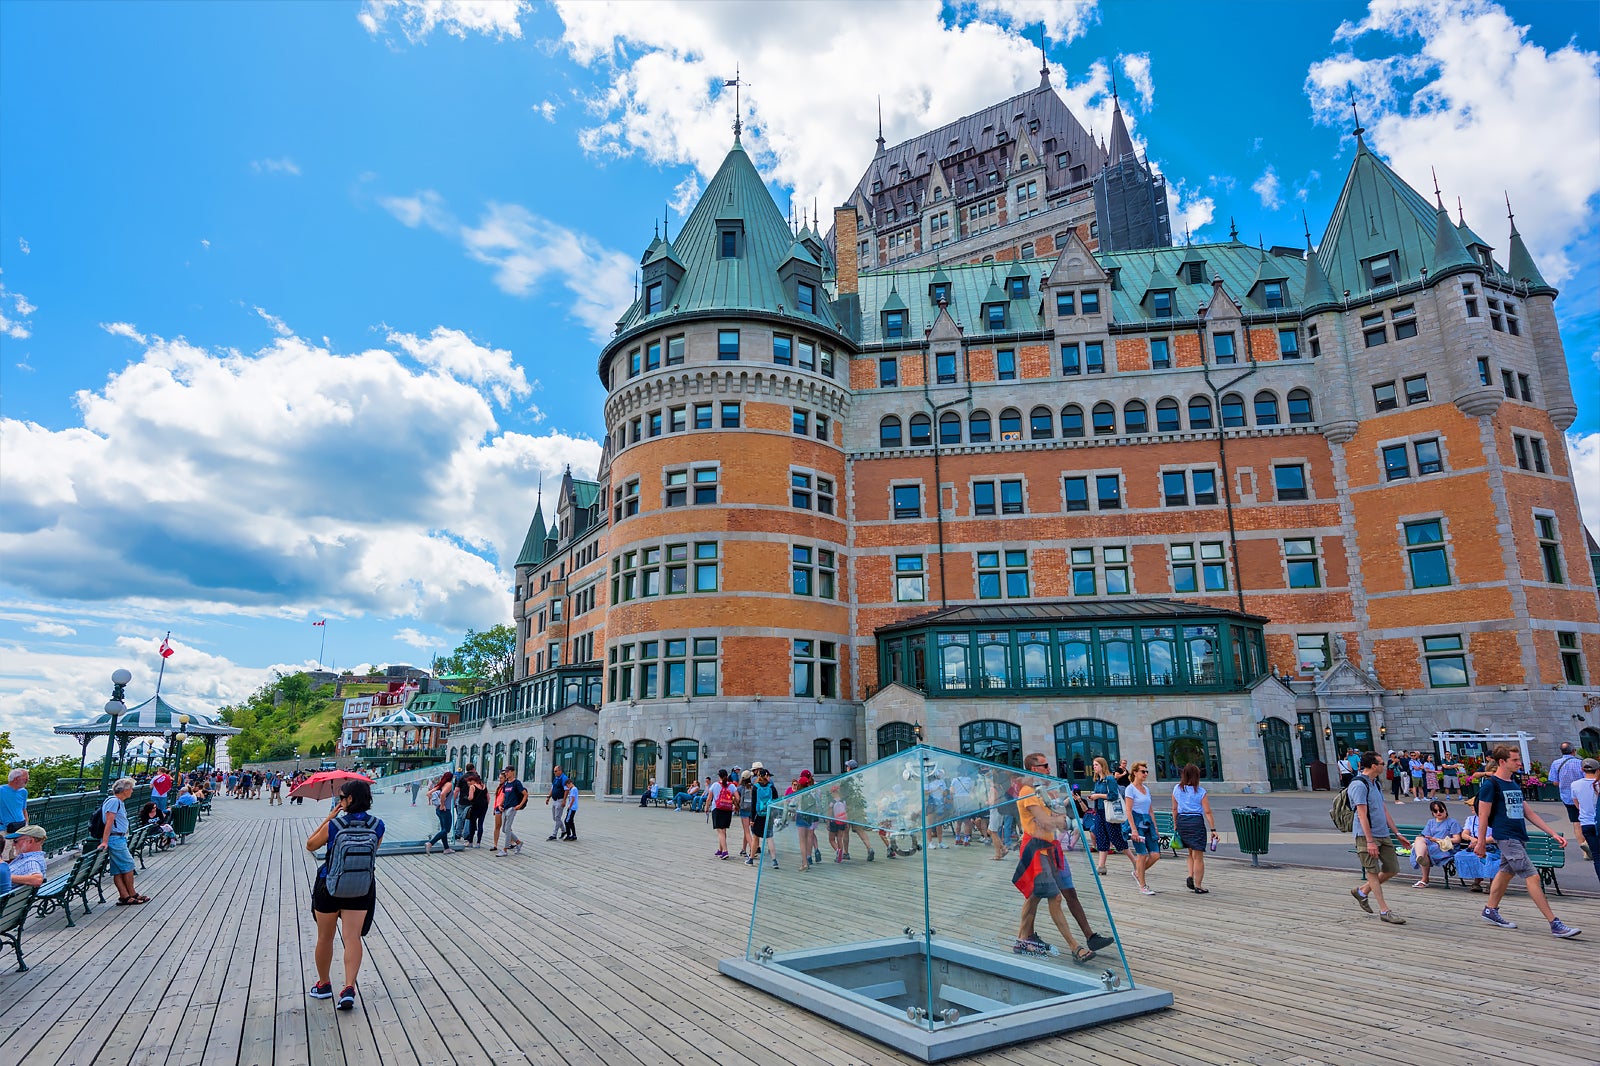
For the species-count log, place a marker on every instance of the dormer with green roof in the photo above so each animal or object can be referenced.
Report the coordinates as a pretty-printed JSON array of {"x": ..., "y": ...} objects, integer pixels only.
[
  {"x": 1018, "y": 281},
  {"x": 996, "y": 309},
  {"x": 939, "y": 288},
  {"x": 1269, "y": 289},
  {"x": 1160, "y": 292}
]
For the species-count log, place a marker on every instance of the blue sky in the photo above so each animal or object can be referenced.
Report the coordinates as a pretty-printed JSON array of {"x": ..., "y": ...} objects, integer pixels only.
[{"x": 300, "y": 301}]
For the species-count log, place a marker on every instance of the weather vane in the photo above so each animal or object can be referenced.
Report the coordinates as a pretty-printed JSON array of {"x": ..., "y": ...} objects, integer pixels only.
[{"x": 735, "y": 82}]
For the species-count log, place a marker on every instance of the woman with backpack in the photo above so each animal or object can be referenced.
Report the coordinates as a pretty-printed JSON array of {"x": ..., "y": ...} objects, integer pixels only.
[
  {"x": 345, "y": 894},
  {"x": 724, "y": 801},
  {"x": 475, "y": 797}
]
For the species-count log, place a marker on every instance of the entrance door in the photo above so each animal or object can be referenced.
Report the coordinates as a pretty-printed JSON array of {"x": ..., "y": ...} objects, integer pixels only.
[
  {"x": 1280, "y": 756},
  {"x": 1350, "y": 730},
  {"x": 614, "y": 781}
]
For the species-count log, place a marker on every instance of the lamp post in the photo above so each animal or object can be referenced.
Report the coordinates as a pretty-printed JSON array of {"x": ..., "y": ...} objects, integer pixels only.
[
  {"x": 180, "y": 736},
  {"x": 116, "y": 709}
]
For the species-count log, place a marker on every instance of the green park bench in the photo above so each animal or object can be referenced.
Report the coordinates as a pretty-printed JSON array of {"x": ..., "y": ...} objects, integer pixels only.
[
  {"x": 1546, "y": 857},
  {"x": 87, "y": 872},
  {"x": 15, "y": 906},
  {"x": 1448, "y": 867},
  {"x": 143, "y": 839},
  {"x": 1167, "y": 831}
]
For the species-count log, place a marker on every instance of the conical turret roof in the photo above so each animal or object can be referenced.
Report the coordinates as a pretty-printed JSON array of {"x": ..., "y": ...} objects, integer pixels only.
[
  {"x": 1521, "y": 266},
  {"x": 1448, "y": 248},
  {"x": 1121, "y": 143},
  {"x": 1377, "y": 214},
  {"x": 532, "y": 553}
]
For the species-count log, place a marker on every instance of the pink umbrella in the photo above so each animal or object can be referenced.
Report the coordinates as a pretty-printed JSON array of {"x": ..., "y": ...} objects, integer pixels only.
[{"x": 326, "y": 783}]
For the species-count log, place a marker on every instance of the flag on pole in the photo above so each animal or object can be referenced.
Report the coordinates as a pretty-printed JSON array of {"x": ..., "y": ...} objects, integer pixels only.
[
  {"x": 321, "y": 623},
  {"x": 166, "y": 649}
]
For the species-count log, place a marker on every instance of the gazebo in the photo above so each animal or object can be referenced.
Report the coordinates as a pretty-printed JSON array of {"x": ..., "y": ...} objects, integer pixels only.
[
  {"x": 417, "y": 747},
  {"x": 155, "y": 717}
]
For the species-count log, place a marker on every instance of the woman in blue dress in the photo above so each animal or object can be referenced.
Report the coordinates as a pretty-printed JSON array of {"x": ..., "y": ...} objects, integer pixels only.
[
  {"x": 1467, "y": 862},
  {"x": 1439, "y": 835},
  {"x": 1108, "y": 834}
]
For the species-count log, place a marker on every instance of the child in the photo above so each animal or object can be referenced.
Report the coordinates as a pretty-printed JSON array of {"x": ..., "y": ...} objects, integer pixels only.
[{"x": 569, "y": 812}]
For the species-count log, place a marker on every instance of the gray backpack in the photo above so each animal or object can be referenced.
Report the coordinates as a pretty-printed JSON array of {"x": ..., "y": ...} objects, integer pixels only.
[{"x": 352, "y": 858}]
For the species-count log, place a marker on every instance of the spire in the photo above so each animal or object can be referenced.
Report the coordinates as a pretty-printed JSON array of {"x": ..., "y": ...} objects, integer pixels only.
[
  {"x": 1121, "y": 143},
  {"x": 1448, "y": 248},
  {"x": 1520, "y": 264},
  {"x": 532, "y": 553},
  {"x": 738, "y": 116},
  {"x": 1318, "y": 291},
  {"x": 666, "y": 220},
  {"x": 1044, "y": 62},
  {"x": 1233, "y": 231},
  {"x": 880, "y": 125},
  {"x": 1359, "y": 129}
]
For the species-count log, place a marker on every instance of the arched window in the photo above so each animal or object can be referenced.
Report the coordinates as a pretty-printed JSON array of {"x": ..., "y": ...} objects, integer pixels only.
[
  {"x": 1105, "y": 420},
  {"x": 1199, "y": 413},
  {"x": 644, "y": 764},
  {"x": 1135, "y": 417},
  {"x": 978, "y": 428},
  {"x": 575, "y": 755},
  {"x": 847, "y": 749},
  {"x": 530, "y": 759},
  {"x": 1267, "y": 413},
  {"x": 683, "y": 764},
  {"x": 1589, "y": 740},
  {"x": 1072, "y": 421},
  {"x": 1041, "y": 424},
  {"x": 1300, "y": 407},
  {"x": 895, "y": 737},
  {"x": 514, "y": 757},
  {"x": 618, "y": 760},
  {"x": 1168, "y": 420},
  {"x": 921, "y": 431},
  {"x": 949, "y": 428},
  {"x": 453, "y": 757},
  {"x": 1082, "y": 740},
  {"x": 821, "y": 756},
  {"x": 1011, "y": 423},
  {"x": 499, "y": 757},
  {"x": 889, "y": 432},
  {"x": 1232, "y": 411},
  {"x": 1180, "y": 741},
  {"x": 992, "y": 741},
  {"x": 472, "y": 757}
]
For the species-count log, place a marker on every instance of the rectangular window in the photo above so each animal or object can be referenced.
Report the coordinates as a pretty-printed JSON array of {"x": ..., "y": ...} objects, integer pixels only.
[
  {"x": 677, "y": 490},
  {"x": 1175, "y": 488},
  {"x": 888, "y": 373},
  {"x": 1447, "y": 666},
  {"x": 675, "y": 351},
  {"x": 1380, "y": 271},
  {"x": 1010, "y": 497},
  {"x": 1304, "y": 569},
  {"x": 802, "y": 571},
  {"x": 1222, "y": 345},
  {"x": 1017, "y": 288},
  {"x": 945, "y": 368},
  {"x": 1520, "y": 444},
  {"x": 1549, "y": 548},
  {"x": 1396, "y": 462},
  {"x": 1525, "y": 388},
  {"x": 1161, "y": 304},
  {"x": 1288, "y": 344},
  {"x": 653, "y": 420},
  {"x": 1116, "y": 571},
  {"x": 1066, "y": 303},
  {"x": 677, "y": 419},
  {"x": 1094, "y": 357},
  {"x": 983, "y": 498},
  {"x": 894, "y": 325},
  {"x": 994, "y": 316},
  {"x": 816, "y": 669},
  {"x": 806, "y": 354},
  {"x": 1272, "y": 294},
  {"x": 1160, "y": 354},
  {"x": 1205, "y": 486},
  {"x": 705, "y": 484},
  {"x": 1089, "y": 300},
  {"x": 1005, "y": 364},
  {"x": 908, "y": 501},
  {"x": 1213, "y": 566},
  {"x": 1312, "y": 652},
  {"x": 800, "y": 489},
  {"x": 1077, "y": 493},
  {"x": 1416, "y": 389},
  {"x": 826, "y": 364},
  {"x": 1429, "y": 460},
  {"x": 1430, "y": 568},
  {"x": 1184, "y": 573},
  {"x": 1069, "y": 360},
  {"x": 1108, "y": 492},
  {"x": 652, "y": 298},
  {"x": 1374, "y": 330},
  {"x": 730, "y": 416},
  {"x": 706, "y": 567},
  {"x": 1483, "y": 370},
  {"x": 1536, "y": 447},
  {"x": 1571, "y": 658},
  {"x": 652, "y": 356},
  {"x": 1384, "y": 397},
  {"x": 807, "y": 302},
  {"x": 1508, "y": 382},
  {"x": 800, "y": 422},
  {"x": 727, "y": 344},
  {"x": 1084, "y": 580},
  {"x": 1289, "y": 482},
  {"x": 820, "y": 426},
  {"x": 910, "y": 582},
  {"x": 730, "y": 244},
  {"x": 703, "y": 416},
  {"x": 782, "y": 350}
]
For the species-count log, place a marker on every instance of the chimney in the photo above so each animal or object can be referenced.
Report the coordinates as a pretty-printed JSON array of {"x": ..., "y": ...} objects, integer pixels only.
[{"x": 844, "y": 249}]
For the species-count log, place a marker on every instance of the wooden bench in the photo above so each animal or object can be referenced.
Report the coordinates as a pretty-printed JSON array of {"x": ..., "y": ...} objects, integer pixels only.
[
  {"x": 86, "y": 873},
  {"x": 14, "y": 909}
]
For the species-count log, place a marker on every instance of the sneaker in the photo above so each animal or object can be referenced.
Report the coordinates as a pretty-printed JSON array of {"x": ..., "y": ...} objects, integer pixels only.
[
  {"x": 1493, "y": 918},
  {"x": 1146, "y": 890},
  {"x": 500, "y": 854},
  {"x": 748, "y": 861},
  {"x": 347, "y": 998},
  {"x": 1041, "y": 947},
  {"x": 321, "y": 990},
  {"x": 1029, "y": 947},
  {"x": 1361, "y": 898},
  {"x": 1562, "y": 930},
  {"x": 1099, "y": 941},
  {"x": 816, "y": 855},
  {"x": 871, "y": 855},
  {"x": 552, "y": 836},
  {"x": 1392, "y": 918},
  {"x": 774, "y": 862}
]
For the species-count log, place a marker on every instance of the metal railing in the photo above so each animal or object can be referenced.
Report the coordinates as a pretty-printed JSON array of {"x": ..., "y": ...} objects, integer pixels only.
[{"x": 65, "y": 819}]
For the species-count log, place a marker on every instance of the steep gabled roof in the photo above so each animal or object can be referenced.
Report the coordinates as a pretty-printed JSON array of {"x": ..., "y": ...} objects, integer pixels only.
[
  {"x": 532, "y": 553},
  {"x": 1377, "y": 212}
]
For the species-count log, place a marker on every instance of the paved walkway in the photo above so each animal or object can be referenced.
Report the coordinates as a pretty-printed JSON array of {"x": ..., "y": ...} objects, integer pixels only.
[{"x": 605, "y": 952}]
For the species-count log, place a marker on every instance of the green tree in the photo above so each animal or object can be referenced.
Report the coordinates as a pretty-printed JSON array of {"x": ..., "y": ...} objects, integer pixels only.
[{"x": 486, "y": 657}]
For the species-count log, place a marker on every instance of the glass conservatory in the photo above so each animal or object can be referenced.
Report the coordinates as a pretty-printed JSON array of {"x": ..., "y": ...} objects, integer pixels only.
[{"x": 936, "y": 950}]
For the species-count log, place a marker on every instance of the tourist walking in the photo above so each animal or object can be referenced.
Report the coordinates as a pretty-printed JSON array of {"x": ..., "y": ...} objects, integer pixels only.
[
  {"x": 441, "y": 798},
  {"x": 14, "y": 800},
  {"x": 1377, "y": 853},
  {"x": 1501, "y": 808},
  {"x": 416, "y": 787},
  {"x": 114, "y": 839},
  {"x": 724, "y": 801},
  {"x": 161, "y": 788},
  {"x": 475, "y": 802},
  {"x": 569, "y": 811},
  {"x": 1042, "y": 873},
  {"x": 1585, "y": 796},
  {"x": 1192, "y": 819},
  {"x": 513, "y": 797},
  {"x": 1142, "y": 826},
  {"x": 806, "y": 824},
  {"x": 1566, "y": 770},
  {"x": 345, "y": 893},
  {"x": 746, "y": 800},
  {"x": 762, "y": 793},
  {"x": 1110, "y": 815},
  {"x": 555, "y": 800},
  {"x": 1395, "y": 772}
]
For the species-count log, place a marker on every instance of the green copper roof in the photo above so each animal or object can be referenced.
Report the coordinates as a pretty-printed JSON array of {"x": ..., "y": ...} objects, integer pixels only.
[
  {"x": 1448, "y": 248},
  {"x": 1470, "y": 238},
  {"x": 1153, "y": 269},
  {"x": 1377, "y": 213},
  {"x": 533, "y": 545},
  {"x": 1317, "y": 292},
  {"x": 585, "y": 493},
  {"x": 659, "y": 251},
  {"x": 893, "y": 302},
  {"x": 748, "y": 282},
  {"x": 995, "y": 295},
  {"x": 971, "y": 285},
  {"x": 1521, "y": 266}
]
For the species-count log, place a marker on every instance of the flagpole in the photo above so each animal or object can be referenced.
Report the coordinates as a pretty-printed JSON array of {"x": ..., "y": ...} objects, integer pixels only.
[
  {"x": 162, "y": 672},
  {"x": 324, "y": 647}
]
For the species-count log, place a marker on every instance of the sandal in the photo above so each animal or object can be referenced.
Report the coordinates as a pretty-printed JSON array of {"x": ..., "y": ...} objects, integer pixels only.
[
  {"x": 1420, "y": 884},
  {"x": 133, "y": 901},
  {"x": 123, "y": 901},
  {"x": 1202, "y": 892},
  {"x": 1082, "y": 954}
]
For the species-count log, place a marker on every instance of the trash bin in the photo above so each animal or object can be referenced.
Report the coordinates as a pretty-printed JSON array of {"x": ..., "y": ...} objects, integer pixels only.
[
  {"x": 1253, "y": 824},
  {"x": 184, "y": 819}
]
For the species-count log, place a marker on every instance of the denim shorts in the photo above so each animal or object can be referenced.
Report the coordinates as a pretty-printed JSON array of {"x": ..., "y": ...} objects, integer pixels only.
[
  {"x": 1151, "y": 844},
  {"x": 121, "y": 857}
]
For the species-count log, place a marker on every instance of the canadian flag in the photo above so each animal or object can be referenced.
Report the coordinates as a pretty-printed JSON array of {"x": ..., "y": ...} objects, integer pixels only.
[
  {"x": 321, "y": 623},
  {"x": 166, "y": 649}
]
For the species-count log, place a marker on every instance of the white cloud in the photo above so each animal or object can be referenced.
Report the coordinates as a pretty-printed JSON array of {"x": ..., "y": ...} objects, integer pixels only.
[
  {"x": 1460, "y": 87},
  {"x": 291, "y": 477},
  {"x": 524, "y": 249},
  {"x": 546, "y": 109},
  {"x": 1268, "y": 188},
  {"x": 123, "y": 329},
  {"x": 418, "y": 18},
  {"x": 14, "y": 324},
  {"x": 1225, "y": 182},
  {"x": 1188, "y": 208},
  {"x": 1302, "y": 189},
  {"x": 285, "y": 165},
  {"x": 1137, "y": 68},
  {"x": 684, "y": 195},
  {"x": 27, "y": 249},
  {"x": 278, "y": 325},
  {"x": 205, "y": 243},
  {"x": 665, "y": 64},
  {"x": 1584, "y": 450},
  {"x": 420, "y": 640},
  {"x": 51, "y": 629}
]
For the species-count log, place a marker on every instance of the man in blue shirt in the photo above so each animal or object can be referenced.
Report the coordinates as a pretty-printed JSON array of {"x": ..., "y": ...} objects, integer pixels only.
[
  {"x": 1501, "y": 809},
  {"x": 1564, "y": 771},
  {"x": 28, "y": 868},
  {"x": 14, "y": 801},
  {"x": 556, "y": 800}
]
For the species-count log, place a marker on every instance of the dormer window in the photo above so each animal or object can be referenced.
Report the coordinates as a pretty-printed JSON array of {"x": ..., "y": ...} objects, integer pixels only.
[
  {"x": 1380, "y": 270},
  {"x": 1195, "y": 272},
  {"x": 1272, "y": 294},
  {"x": 877, "y": 186},
  {"x": 1161, "y": 304},
  {"x": 1018, "y": 288},
  {"x": 939, "y": 292},
  {"x": 806, "y": 298},
  {"x": 729, "y": 243},
  {"x": 994, "y": 316},
  {"x": 938, "y": 193},
  {"x": 894, "y": 325},
  {"x": 652, "y": 298}
]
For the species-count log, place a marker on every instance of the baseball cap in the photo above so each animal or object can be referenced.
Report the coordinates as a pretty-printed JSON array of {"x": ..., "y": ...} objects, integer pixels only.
[
  {"x": 851, "y": 764},
  {"x": 1590, "y": 765},
  {"x": 35, "y": 831}
]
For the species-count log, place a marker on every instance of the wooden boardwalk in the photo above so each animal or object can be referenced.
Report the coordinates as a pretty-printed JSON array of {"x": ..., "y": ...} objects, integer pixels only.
[{"x": 605, "y": 952}]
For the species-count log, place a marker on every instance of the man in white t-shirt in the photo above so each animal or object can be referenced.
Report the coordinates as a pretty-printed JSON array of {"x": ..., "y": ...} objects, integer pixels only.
[{"x": 1586, "y": 796}]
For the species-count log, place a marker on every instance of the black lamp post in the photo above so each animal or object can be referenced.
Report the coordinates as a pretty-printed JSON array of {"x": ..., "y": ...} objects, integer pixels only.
[
  {"x": 116, "y": 709},
  {"x": 179, "y": 737}
]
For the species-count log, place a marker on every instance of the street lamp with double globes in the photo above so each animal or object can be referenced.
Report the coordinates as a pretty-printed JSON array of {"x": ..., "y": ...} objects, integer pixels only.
[
  {"x": 116, "y": 709},
  {"x": 179, "y": 737}
]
